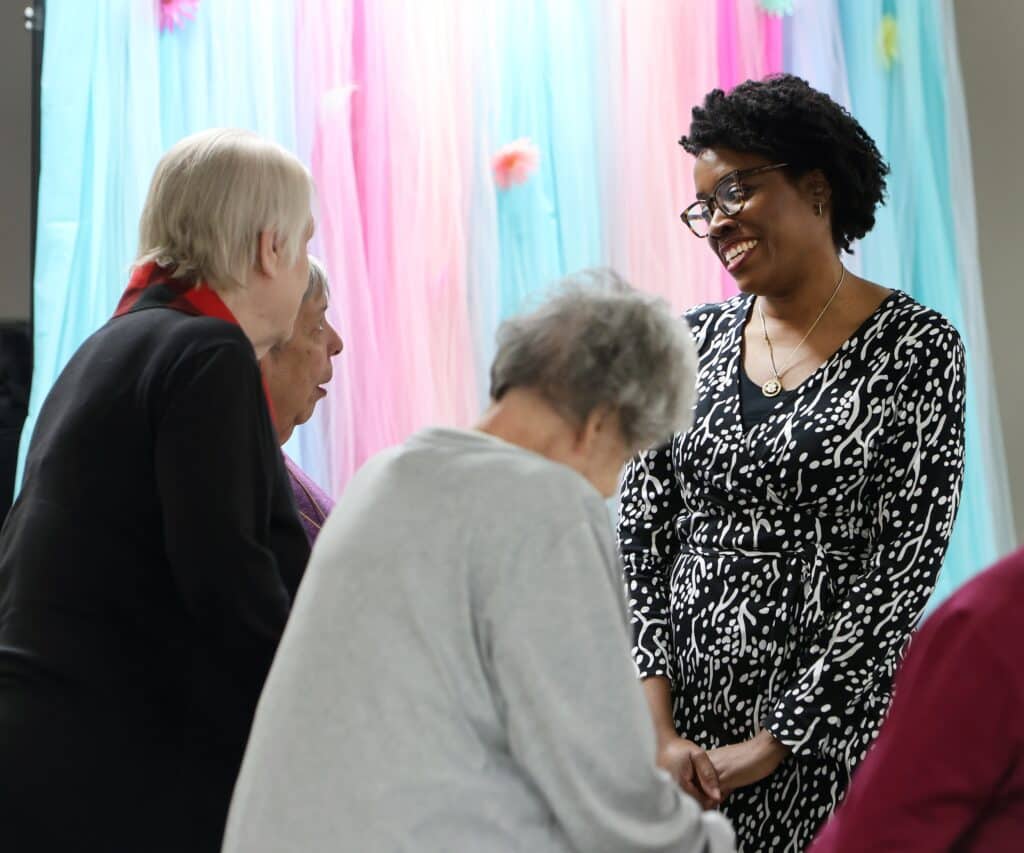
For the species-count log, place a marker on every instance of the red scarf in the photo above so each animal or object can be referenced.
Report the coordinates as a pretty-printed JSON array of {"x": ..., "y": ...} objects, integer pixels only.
[{"x": 151, "y": 286}]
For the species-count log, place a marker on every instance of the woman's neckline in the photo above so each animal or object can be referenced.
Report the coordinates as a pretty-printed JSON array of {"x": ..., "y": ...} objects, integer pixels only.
[{"x": 845, "y": 345}]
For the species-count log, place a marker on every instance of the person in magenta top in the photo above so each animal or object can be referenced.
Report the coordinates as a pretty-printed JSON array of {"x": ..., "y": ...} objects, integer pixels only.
[
  {"x": 295, "y": 373},
  {"x": 947, "y": 770}
]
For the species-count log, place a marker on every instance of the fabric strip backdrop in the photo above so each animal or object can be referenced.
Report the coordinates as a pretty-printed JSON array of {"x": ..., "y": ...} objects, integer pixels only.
[{"x": 468, "y": 154}]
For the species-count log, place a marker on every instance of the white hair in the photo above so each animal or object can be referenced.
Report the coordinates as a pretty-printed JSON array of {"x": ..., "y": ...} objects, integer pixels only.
[
  {"x": 317, "y": 279},
  {"x": 597, "y": 342},
  {"x": 212, "y": 195}
]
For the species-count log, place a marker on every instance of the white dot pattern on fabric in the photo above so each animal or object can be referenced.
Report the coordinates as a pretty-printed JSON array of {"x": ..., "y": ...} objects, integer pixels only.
[{"x": 775, "y": 574}]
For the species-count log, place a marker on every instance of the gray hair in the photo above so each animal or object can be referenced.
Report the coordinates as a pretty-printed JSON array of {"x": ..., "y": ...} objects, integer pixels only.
[
  {"x": 598, "y": 342},
  {"x": 317, "y": 279},
  {"x": 211, "y": 196}
]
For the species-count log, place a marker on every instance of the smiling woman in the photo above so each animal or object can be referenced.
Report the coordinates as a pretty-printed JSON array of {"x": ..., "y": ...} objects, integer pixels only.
[{"x": 791, "y": 538}]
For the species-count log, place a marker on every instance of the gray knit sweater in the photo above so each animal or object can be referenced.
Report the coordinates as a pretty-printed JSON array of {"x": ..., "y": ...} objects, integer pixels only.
[{"x": 456, "y": 674}]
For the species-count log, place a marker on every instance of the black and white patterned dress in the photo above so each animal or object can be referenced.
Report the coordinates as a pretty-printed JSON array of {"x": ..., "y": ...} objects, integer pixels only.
[{"x": 774, "y": 574}]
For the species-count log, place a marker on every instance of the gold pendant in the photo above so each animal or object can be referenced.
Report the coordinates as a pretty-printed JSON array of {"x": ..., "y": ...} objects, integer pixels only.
[{"x": 771, "y": 388}]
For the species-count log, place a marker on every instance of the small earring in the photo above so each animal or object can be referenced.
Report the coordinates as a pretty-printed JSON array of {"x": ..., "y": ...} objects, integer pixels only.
[{"x": 819, "y": 208}]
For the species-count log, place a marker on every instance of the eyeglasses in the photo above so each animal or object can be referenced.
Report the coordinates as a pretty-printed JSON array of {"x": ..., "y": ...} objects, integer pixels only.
[{"x": 729, "y": 196}]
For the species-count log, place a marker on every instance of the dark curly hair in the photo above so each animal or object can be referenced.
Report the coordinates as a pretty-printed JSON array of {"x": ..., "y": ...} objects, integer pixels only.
[{"x": 784, "y": 119}]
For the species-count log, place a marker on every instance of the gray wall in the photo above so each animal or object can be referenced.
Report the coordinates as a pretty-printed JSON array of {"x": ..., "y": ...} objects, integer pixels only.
[
  {"x": 15, "y": 160},
  {"x": 989, "y": 33}
]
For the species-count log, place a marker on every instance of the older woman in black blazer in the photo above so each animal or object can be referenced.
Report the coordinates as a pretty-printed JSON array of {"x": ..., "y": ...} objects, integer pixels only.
[{"x": 147, "y": 569}]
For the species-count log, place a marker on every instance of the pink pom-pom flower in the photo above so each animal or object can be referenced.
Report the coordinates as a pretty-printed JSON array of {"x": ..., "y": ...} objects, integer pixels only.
[
  {"x": 174, "y": 13},
  {"x": 514, "y": 163}
]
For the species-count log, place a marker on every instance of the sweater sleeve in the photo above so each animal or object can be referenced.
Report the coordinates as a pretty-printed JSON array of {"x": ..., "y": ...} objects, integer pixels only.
[
  {"x": 214, "y": 471},
  {"x": 575, "y": 715},
  {"x": 836, "y": 704}
]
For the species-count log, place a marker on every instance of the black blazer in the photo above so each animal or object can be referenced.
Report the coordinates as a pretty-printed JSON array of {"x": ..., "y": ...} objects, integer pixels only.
[{"x": 146, "y": 574}]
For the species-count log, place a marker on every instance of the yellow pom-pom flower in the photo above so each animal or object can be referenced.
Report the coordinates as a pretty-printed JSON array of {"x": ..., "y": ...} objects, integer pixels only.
[{"x": 889, "y": 41}]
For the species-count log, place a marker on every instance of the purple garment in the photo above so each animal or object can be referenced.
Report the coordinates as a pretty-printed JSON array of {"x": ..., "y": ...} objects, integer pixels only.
[{"x": 312, "y": 502}]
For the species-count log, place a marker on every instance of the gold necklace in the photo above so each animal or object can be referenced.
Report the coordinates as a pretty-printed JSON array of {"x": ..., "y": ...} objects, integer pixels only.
[{"x": 773, "y": 387}]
